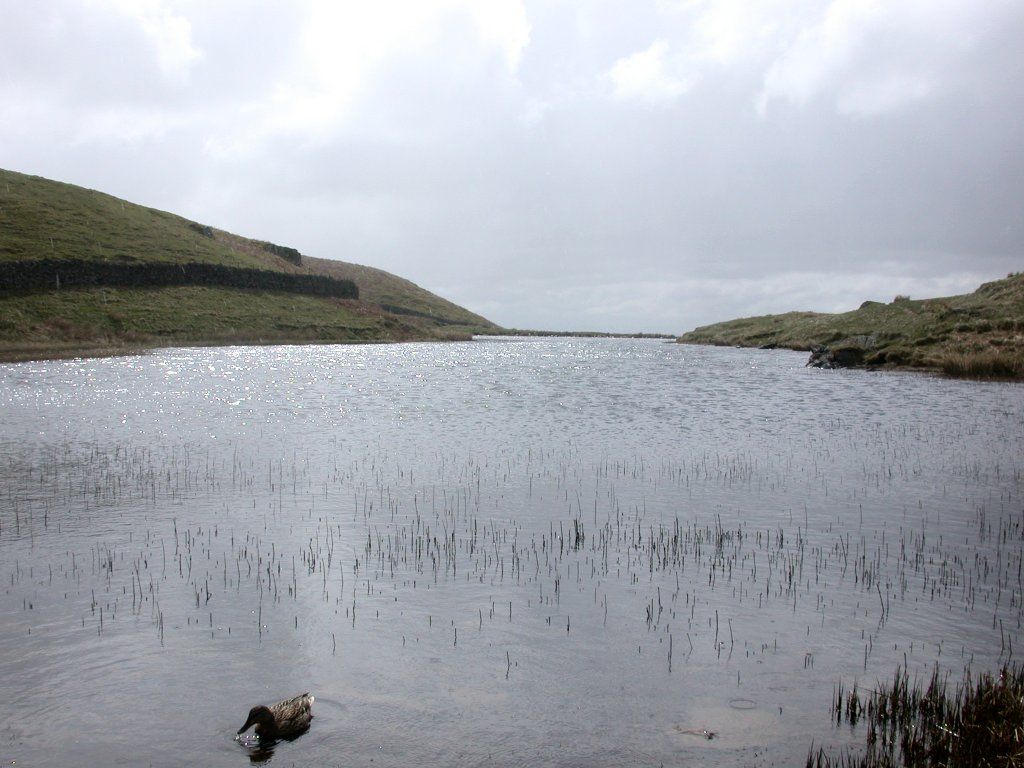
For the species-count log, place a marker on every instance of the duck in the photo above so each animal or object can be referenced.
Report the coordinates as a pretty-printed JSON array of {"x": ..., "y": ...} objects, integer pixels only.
[{"x": 282, "y": 720}]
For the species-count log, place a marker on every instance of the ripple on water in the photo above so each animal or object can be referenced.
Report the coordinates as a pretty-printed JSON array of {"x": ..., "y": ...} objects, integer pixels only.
[{"x": 504, "y": 552}]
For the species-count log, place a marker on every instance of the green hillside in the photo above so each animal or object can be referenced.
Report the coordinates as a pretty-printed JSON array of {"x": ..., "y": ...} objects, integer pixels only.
[
  {"x": 46, "y": 223},
  {"x": 41, "y": 219},
  {"x": 400, "y": 296},
  {"x": 976, "y": 334}
]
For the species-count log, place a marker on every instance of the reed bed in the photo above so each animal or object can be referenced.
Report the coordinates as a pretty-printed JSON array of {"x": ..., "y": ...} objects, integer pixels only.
[
  {"x": 917, "y": 725},
  {"x": 374, "y": 522},
  {"x": 990, "y": 364},
  {"x": 240, "y": 544}
]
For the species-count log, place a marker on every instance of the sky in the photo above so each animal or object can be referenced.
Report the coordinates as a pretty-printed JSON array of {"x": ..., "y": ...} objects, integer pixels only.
[{"x": 636, "y": 165}]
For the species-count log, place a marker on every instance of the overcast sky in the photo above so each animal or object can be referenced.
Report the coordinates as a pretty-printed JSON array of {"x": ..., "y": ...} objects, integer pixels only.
[{"x": 620, "y": 166}]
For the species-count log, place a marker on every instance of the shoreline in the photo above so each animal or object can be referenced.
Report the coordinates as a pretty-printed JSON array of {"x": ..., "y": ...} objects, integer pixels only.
[
  {"x": 27, "y": 353},
  {"x": 936, "y": 370},
  {"x": 43, "y": 352}
]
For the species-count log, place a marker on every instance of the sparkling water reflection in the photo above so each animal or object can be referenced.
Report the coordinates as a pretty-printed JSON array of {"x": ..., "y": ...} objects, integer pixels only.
[{"x": 510, "y": 551}]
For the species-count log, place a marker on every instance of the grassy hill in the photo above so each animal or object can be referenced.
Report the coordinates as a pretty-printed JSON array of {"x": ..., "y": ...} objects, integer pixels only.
[
  {"x": 976, "y": 334},
  {"x": 400, "y": 296},
  {"x": 44, "y": 220}
]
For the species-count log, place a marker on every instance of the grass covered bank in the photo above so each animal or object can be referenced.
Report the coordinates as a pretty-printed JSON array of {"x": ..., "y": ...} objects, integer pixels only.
[
  {"x": 83, "y": 272},
  {"x": 979, "y": 334},
  {"x": 115, "y": 321}
]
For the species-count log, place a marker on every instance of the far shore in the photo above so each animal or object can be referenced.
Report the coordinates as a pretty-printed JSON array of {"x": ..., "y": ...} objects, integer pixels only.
[
  {"x": 575, "y": 334},
  {"x": 27, "y": 353},
  {"x": 21, "y": 353}
]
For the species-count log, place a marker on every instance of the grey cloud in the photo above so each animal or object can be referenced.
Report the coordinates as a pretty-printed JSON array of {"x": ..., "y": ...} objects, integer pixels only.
[{"x": 533, "y": 194}]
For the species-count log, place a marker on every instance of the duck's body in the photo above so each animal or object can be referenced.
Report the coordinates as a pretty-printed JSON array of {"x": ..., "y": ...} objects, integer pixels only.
[{"x": 281, "y": 720}]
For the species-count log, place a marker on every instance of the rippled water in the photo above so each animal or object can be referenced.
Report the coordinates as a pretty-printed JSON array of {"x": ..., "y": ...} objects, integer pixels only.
[{"x": 504, "y": 552}]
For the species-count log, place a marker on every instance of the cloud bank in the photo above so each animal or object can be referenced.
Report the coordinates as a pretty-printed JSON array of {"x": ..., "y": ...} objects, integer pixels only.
[{"x": 615, "y": 166}]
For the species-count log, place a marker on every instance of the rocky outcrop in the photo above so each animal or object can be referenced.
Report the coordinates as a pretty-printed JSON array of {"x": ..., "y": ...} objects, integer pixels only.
[
  {"x": 852, "y": 352},
  {"x": 290, "y": 255}
]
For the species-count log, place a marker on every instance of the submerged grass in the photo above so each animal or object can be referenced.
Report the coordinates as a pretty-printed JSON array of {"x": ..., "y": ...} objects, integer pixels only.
[
  {"x": 981, "y": 723},
  {"x": 543, "y": 540}
]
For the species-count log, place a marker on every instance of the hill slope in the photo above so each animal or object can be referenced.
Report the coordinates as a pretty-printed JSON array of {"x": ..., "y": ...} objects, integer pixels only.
[
  {"x": 979, "y": 333},
  {"x": 398, "y": 295},
  {"x": 46, "y": 223}
]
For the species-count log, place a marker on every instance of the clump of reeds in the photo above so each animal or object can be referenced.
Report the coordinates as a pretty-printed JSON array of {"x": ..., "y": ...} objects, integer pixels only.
[
  {"x": 981, "y": 723},
  {"x": 990, "y": 364}
]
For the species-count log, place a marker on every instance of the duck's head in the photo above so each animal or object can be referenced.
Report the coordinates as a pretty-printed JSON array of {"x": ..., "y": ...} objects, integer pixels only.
[{"x": 259, "y": 716}]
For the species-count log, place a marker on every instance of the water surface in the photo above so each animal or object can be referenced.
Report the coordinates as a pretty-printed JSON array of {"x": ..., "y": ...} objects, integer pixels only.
[{"x": 504, "y": 552}]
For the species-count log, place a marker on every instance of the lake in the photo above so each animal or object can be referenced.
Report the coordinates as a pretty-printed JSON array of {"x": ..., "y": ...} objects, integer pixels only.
[{"x": 566, "y": 552}]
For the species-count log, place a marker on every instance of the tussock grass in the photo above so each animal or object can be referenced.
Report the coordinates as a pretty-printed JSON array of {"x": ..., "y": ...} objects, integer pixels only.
[
  {"x": 990, "y": 364},
  {"x": 980, "y": 723},
  {"x": 956, "y": 334}
]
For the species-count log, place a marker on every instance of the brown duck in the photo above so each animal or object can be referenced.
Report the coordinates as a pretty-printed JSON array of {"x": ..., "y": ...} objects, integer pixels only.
[{"x": 281, "y": 720}]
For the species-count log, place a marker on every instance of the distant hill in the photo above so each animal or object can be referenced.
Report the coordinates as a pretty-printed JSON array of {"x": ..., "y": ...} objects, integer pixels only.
[
  {"x": 977, "y": 334},
  {"x": 81, "y": 270}
]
